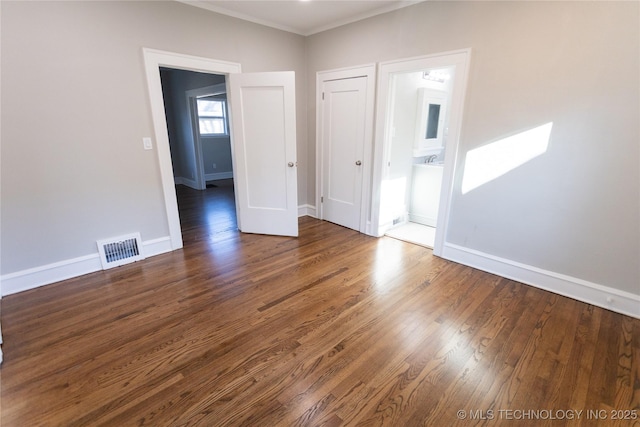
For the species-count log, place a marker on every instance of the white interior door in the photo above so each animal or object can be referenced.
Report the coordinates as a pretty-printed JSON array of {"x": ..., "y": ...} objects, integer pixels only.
[
  {"x": 263, "y": 124},
  {"x": 343, "y": 139}
]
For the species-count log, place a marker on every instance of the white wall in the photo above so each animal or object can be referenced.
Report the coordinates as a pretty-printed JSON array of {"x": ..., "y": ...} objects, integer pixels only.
[
  {"x": 575, "y": 209},
  {"x": 405, "y": 101},
  {"x": 75, "y": 109}
]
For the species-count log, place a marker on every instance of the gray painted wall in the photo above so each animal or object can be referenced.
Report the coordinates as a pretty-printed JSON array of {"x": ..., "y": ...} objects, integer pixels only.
[
  {"x": 73, "y": 165},
  {"x": 574, "y": 210}
]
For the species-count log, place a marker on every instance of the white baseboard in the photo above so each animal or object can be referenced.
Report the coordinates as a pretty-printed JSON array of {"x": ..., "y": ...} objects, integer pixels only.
[
  {"x": 50, "y": 273},
  {"x": 307, "y": 210},
  {"x": 423, "y": 219},
  {"x": 180, "y": 180},
  {"x": 157, "y": 246},
  {"x": 581, "y": 290},
  {"x": 217, "y": 176},
  {"x": 67, "y": 269}
]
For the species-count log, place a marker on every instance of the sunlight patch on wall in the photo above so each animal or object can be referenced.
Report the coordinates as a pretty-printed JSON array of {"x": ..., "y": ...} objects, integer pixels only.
[{"x": 486, "y": 163}]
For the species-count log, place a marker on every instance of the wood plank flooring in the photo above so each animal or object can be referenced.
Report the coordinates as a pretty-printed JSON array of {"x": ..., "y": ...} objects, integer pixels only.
[{"x": 332, "y": 328}]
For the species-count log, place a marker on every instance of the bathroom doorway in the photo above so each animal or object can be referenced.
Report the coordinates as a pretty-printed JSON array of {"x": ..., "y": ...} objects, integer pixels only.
[
  {"x": 418, "y": 127},
  {"x": 419, "y": 130}
]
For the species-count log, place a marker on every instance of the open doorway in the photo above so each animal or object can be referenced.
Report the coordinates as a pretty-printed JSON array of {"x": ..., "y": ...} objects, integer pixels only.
[
  {"x": 199, "y": 139},
  {"x": 419, "y": 102},
  {"x": 419, "y": 115},
  {"x": 262, "y": 108}
]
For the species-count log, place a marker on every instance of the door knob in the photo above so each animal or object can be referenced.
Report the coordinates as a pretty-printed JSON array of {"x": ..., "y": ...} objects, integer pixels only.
[
  {"x": 290, "y": 164},
  {"x": 358, "y": 163}
]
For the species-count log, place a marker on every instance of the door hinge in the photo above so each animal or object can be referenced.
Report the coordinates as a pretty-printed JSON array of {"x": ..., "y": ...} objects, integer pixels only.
[
  {"x": 323, "y": 96},
  {"x": 321, "y": 199}
]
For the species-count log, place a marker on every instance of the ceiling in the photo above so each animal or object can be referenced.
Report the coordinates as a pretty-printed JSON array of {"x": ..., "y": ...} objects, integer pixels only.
[{"x": 299, "y": 16}]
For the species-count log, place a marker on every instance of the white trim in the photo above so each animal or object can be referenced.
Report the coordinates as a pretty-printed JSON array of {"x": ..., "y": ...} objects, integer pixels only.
[
  {"x": 55, "y": 272},
  {"x": 591, "y": 293},
  {"x": 50, "y": 273},
  {"x": 368, "y": 71},
  {"x": 300, "y": 31},
  {"x": 180, "y": 180},
  {"x": 460, "y": 59},
  {"x": 153, "y": 60},
  {"x": 360, "y": 17},
  {"x": 157, "y": 246},
  {"x": 423, "y": 219},
  {"x": 217, "y": 89},
  {"x": 307, "y": 210},
  {"x": 234, "y": 14},
  {"x": 218, "y": 175}
]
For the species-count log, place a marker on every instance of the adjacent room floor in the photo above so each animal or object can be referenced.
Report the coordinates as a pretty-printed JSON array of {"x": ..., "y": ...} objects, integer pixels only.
[{"x": 209, "y": 213}]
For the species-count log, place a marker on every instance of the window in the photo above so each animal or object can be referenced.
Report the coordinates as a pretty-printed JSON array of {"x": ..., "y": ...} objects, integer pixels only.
[{"x": 212, "y": 118}]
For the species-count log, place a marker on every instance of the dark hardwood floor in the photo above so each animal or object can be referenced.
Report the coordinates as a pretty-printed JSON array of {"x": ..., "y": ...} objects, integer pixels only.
[{"x": 331, "y": 328}]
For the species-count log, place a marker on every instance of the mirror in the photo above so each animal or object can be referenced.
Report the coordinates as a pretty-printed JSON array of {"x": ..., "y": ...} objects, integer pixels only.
[{"x": 429, "y": 121}]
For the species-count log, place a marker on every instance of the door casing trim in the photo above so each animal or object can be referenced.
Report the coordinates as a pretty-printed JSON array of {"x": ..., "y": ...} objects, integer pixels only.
[
  {"x": 153, "y": 60},
  {"x": 461, "y": 60}
]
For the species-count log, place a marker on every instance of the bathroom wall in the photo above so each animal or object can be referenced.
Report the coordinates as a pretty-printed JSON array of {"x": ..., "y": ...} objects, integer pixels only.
[{"x": 405, "y": 113}]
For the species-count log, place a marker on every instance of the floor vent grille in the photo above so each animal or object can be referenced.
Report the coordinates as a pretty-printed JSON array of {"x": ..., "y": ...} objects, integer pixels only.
[{"x": 120, "y": 250}]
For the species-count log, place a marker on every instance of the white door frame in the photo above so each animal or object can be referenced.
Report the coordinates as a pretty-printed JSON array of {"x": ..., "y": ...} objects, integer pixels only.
[
  {"x": 460, "y": 59},
  {"x": 368, "y": 71},
  {"x": 191, "y": 95},
  {"x": 153, "y": 60}
]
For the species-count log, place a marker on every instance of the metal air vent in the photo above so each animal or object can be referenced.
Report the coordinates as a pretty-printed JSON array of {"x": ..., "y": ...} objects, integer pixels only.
[{"x": 120, "y": 250}]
